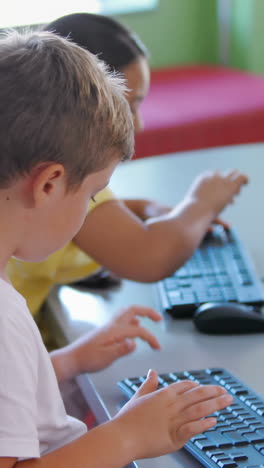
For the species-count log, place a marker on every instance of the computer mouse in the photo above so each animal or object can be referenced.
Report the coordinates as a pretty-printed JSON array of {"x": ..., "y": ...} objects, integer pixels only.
[{"x": 228, "y": 318}]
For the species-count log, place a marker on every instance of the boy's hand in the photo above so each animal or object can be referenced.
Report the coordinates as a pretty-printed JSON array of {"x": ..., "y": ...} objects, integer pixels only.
[
  {"x": 161, "y": 422},
  {"x": 104, "y": 345},
  {"x": 217, "y": 190}
]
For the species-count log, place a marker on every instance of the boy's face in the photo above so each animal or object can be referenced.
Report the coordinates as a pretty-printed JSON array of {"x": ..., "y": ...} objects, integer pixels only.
[{"x": 56, "y": 221}]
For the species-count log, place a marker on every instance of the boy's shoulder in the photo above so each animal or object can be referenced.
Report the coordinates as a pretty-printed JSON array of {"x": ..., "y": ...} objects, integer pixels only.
[
  {"x": 10, "y": 299},
  {"x": 15, "y": 318}
]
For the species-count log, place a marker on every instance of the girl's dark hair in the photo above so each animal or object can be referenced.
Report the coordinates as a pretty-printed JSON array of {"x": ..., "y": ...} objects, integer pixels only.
[{"x": 116, "y": 45}]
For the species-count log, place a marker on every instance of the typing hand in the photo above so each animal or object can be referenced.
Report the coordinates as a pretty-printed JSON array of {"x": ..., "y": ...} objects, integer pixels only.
[
  {"x": 158, "y": 422},
  {"x": 217, "y": 190},
  {"x": 219, "y": 222},
  {"x": 104, "y": 345}
]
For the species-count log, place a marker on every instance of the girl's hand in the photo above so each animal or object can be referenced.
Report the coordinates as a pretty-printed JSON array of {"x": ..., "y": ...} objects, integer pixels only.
[
  {"x": 219, "y": 222},
  {"x": 217, "y": 190}
]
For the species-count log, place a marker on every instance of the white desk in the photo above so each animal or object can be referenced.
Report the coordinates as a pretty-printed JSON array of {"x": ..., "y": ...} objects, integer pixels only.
[{"x": 166, "y": 178}]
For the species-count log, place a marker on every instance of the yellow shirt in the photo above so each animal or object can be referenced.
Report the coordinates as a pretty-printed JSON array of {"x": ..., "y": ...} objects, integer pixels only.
[{"x": 34, "y": 280}]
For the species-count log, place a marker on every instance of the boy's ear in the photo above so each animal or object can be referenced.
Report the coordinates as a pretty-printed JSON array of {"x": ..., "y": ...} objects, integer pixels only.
[{"x": 48, "y": 182}]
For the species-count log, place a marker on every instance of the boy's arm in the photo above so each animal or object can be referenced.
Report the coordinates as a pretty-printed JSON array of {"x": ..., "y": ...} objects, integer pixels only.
[
  {"x": 151, "y": 424},
  {"x": 85, "y": 452},
  {"x": 151, "y": 250}
]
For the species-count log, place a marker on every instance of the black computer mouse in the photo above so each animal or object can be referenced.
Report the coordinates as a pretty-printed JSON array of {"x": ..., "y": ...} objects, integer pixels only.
[{"x": 228, "y": 317}]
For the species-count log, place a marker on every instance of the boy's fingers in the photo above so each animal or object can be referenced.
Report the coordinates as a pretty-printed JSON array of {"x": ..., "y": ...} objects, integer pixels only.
[
  {"x": 178, "y": 388},
  {"x": 140, "y": 332},
  {"x": 207, "y": 407},
  {"x": 190, "y": 429},
  {"x": 149, "y": 385},
  {"x": 135, "y": 321},
  {"x": 122, "y": 349},
  {"x": 143, "y": 312},
  {"x": 201, "y": 393},
  {"x": 128, "y": 331}
]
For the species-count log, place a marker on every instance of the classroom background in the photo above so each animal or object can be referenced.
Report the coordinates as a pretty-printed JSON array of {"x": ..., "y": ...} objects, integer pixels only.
[{"x": 207, "y": 61}]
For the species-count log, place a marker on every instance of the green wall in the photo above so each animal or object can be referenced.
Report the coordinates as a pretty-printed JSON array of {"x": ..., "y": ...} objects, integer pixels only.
[
  {"x": 247, "y": 35},
  {"x": 185, "y": 31},
  {"x": 178, "y": 31}
]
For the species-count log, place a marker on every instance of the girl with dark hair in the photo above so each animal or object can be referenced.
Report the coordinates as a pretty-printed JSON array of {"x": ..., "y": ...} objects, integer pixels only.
[
  {"x": 142, "y": 240},
  {"x": 103, "y": 36},
  {"x": 116, "y": 45}
]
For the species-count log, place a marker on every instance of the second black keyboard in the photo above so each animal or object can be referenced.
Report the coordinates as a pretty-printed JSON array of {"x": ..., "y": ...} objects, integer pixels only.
[
  {"x": 220, "y": 270},
  {"x": 237, "y": 440}
]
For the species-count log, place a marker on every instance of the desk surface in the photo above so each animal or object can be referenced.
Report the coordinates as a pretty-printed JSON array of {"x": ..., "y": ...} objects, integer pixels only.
[{"x": 166, "y": 178}]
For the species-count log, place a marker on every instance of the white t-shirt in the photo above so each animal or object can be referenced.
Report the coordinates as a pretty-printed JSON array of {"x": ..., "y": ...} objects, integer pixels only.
[{"x": 33, "y": 420}]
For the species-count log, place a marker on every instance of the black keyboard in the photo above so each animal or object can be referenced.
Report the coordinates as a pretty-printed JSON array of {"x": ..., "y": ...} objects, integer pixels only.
[
  {"x": 219, "y": 271},
  {"x": 237, "y": 440}
]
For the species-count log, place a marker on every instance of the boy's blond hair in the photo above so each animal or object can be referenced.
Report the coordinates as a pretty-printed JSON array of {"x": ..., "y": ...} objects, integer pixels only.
[{"x": 60, "y": 104}]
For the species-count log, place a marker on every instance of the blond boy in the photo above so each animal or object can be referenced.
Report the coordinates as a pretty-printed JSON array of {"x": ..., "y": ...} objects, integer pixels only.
[{"x": 57, "y": 100}]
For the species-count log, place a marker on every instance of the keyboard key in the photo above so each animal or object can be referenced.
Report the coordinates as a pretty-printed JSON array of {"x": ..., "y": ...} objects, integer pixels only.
[
  {"x": 204, "y": 444},
  {"x": 214, "y": 371},
  {"x": 171, "y": 284},
  {"x": 223, "y": 425},
  {"x": 238, "y": 390},
  {"x": 236, "y": 438},
  {"x": 168, "y": 378},
  {"x": 258, "y": 404},
  {"x": 212, "y": 453},
  {"x": 220, "y": 440},
  {"x": 240, "y": 411},
  {"x": 182, "y": 272},
  {"x": 250, "y": 401},
  {"x": 227, "y": 464},
  {"x": 224, "y": 461},
  {"x": 238, "y": 456},
  {"x": 257, "y": 425},
  {"x": 254, "y": 437},
  {"x": 259, "y": 447},
  {"x": 175, "y": 297},
  {"x": 239, "y": 426},
  {"x": 217, "y": 458},
  {"x": 249, "y": 420}
]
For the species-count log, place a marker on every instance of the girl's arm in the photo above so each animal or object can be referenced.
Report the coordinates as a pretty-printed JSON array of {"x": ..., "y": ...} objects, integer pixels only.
[
  {"x": 151, "y": 250},
  {"x": 145, "y": 209}
]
